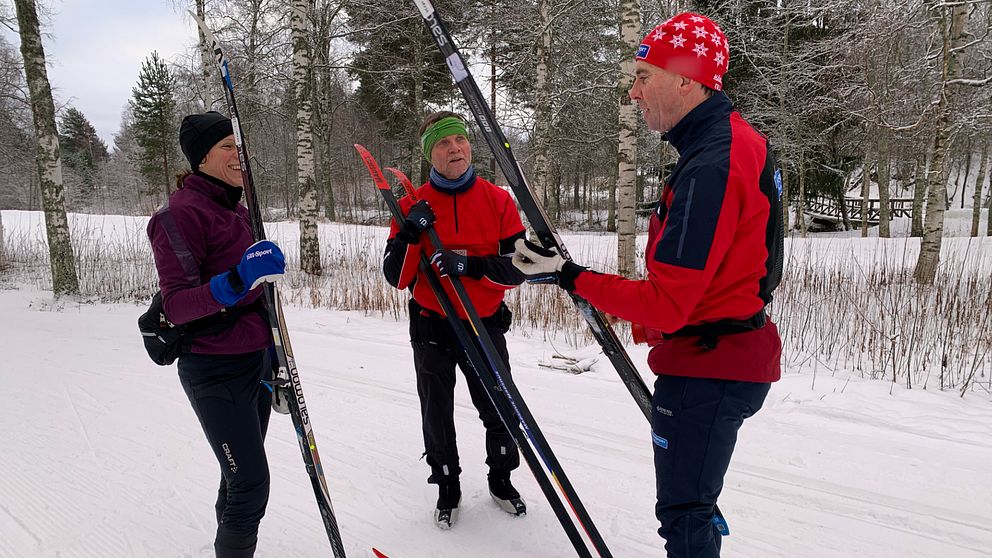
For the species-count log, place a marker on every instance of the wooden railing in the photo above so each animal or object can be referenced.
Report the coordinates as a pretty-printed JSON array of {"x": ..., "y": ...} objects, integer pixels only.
[{"x": 829, "y": 208}]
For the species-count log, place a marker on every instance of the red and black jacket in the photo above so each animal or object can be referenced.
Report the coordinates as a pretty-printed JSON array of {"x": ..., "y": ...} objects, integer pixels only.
[
  {"x": 713, "y": 257},
  {"x": 480, "y": 221}
]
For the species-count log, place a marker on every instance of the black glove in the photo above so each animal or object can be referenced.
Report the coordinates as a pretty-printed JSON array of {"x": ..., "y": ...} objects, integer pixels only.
[
  {"x": 418, "y": 219},
  {"x": 449, "y": 262}
]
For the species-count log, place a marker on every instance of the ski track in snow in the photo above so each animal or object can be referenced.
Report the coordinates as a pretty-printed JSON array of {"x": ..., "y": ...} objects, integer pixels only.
[{"x": 101, "y": 455}]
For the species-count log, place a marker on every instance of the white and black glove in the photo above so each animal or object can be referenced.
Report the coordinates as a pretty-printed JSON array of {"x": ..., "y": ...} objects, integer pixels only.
[
  {"x": 541, "y": 265},
  {"x": 449, "y": 262}
]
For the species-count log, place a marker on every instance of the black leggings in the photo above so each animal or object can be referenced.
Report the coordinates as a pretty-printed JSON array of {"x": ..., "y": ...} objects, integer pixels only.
[
  {"x": 233, "y": 409},
  {"x": 436, "y": 353}
]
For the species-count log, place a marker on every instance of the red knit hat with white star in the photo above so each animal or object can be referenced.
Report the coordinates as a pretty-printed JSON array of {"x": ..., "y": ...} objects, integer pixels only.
[{"x": 690, "y": 45}]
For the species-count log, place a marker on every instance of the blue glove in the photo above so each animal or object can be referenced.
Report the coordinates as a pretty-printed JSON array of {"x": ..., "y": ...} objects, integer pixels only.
[
  {"x": 449, "y": 262},
  {"x": 418, "y": 219},
  {"x": 261, "y": 262}
]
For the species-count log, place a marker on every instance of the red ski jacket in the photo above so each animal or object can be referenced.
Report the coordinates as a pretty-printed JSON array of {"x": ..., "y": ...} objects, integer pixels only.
[
  {"x": 714, "y": 253},
  {"x": 481, "y": 222}
]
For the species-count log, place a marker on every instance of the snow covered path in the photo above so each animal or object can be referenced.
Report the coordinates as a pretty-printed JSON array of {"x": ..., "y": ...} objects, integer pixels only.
[{"x": 101, "y": 455}]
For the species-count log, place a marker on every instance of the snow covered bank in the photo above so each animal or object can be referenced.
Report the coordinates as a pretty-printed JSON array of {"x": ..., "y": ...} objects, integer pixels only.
[{"x": 100, "y": 454}]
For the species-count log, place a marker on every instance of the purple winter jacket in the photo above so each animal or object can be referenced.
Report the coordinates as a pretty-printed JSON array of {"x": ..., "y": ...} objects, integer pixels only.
[{"x": 215, "y": 235}]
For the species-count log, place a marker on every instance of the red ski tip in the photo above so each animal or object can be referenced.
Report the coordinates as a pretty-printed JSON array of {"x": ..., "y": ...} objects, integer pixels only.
[
  {"x": 374, "y": 170},
  {"x": 378, "y": 554}
]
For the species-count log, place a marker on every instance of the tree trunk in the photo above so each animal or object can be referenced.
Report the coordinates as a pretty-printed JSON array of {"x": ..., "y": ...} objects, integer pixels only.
[
  {"x": 988, "y": 214},
  {"x": 933, "y": 226},
  {"x": 785, "y": 200},
  {"x": 611, "y": 219},
  {"x": 919, "y": 194},
  {"x": 630, "y": 28},
  {"x": 305, "y": 179},
  {"x": 166, "y": 174},
  {"x": 884, "y": 179},
  {"x": 324, "y": 121},
  {"x": 865, "y": 195},
  {"x": 542, "y": 113},
  {"x": 589, "y": 213},
  {"x": 62, "y": 261},
  {"x": 782, "y": 95},
  {"x": 842, "y": 205},
  {"x": 976, "y": 204},
  {"x": 211, "y": 93},
  {"x": 417, "y": 158},
  {"x": 961, "y": 178},
  {"x": 801, "y": 202},
  {"x": 492, "y": 91},
  {"x": 3, "y": 247}
]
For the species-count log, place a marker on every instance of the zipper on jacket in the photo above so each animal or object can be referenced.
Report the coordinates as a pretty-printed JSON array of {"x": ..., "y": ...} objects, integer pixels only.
[{"x": 454, "y": 201}]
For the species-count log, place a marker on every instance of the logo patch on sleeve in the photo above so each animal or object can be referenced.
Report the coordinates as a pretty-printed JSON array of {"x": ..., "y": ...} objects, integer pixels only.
[{"x": 778, "y": 182}]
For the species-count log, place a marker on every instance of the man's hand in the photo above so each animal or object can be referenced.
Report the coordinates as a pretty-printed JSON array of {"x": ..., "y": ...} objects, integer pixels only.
[
  {"x": 449, "y": 262},
  {"x": 537, "y": 263},
  {"x": 418, "y": 219}
]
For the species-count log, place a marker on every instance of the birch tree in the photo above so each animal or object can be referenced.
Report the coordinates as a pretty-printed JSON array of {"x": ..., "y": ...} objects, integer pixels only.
[
  {"x": 62, "y": 261},
  {"x": 3, "y": 247},
  {"x": 542, "y": 114},
  {"x": 211, "y": 90},
  {"x": 305, "y": 179},
  {"x": 630, "y": 31},
  {"x": 976, "y": 203},
  {"x": 951, "y": 20}
]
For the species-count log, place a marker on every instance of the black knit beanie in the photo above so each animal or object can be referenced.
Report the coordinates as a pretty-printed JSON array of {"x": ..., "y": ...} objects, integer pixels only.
[{"x": 200, "y": 132}]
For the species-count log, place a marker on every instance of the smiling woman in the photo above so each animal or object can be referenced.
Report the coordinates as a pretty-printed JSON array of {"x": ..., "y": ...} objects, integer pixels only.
[{"x": 210, "y": 273}]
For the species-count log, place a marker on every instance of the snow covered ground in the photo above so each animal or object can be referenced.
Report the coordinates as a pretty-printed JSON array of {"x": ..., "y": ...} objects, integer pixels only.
[{"x": 101, "y": 455}]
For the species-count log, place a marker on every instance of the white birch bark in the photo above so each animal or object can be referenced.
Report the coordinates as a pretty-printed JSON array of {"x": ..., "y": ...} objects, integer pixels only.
[
  {"x": 211, "y": 91},
  {"x": 630, "y": 28},
  {"x": 542, "y": 115},
  {"x": 976, "y": 202},
  {"x": 305, "y": 178},
  {"x": 62, "y": 261},
  {"x": 952, "y": 26}
]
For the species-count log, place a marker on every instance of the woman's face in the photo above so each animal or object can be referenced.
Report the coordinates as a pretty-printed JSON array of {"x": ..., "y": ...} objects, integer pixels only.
[{"x": 222, "y": 162}]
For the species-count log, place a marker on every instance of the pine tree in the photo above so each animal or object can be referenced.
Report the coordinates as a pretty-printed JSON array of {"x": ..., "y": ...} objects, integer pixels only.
[
  {"x": 155, "y": 129},
  {"x": 82, "y": 148},
  {"x": 399, "y": 70}
]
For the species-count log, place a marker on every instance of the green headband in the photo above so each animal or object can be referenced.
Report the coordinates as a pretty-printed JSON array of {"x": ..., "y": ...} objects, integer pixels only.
[{"x": 447, "y": 126}]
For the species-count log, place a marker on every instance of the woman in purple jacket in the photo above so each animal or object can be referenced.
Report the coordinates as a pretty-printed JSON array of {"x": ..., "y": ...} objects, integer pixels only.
[{"x": 208, "y": 267}]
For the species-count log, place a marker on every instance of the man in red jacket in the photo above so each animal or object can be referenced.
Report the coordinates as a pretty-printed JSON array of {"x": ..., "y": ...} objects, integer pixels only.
[
  {"x": 478, "y": 224},
  {"x": 713, "y": 258}
]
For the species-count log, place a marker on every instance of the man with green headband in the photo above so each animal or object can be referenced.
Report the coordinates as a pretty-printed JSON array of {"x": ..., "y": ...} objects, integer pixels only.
[{"x": 478, "y": 224}]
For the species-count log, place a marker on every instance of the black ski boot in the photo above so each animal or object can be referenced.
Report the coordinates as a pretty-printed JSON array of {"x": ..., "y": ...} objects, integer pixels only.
[
  {"x": 449, "y": 496},
  {"x": 505, "y": 495}
]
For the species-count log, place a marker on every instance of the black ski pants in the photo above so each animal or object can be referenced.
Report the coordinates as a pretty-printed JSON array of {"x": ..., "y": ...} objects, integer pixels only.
[
  {"x": 436, "y": 352},
  {"x": 694, "y": 430},
  {"x": 233, "y": 409}
]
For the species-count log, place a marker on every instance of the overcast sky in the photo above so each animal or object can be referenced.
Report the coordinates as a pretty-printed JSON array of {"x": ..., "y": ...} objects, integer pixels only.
[{"x": 96, "y": 49}]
